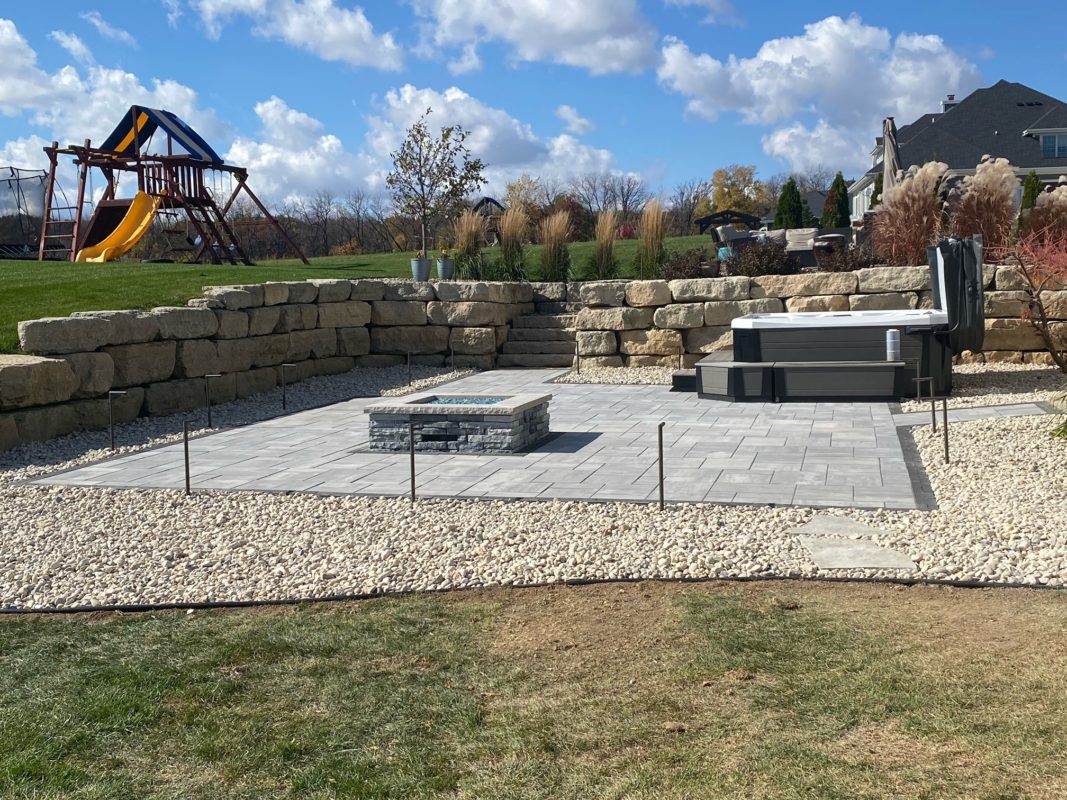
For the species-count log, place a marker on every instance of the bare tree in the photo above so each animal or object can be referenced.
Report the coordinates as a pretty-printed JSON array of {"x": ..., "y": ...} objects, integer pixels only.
[
  {"x": 683, "y": 203},
  {"x": 594, "y": 190},
  {"x": 814, "y": 179},
  {"x": 318, "y": 212},
  {"x": 630, "y": 194}
]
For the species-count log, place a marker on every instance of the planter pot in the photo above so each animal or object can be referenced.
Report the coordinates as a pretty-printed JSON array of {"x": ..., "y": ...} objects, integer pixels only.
[
  {"x": 446, "y": 269},
  {"x": 420, "y": 269}
]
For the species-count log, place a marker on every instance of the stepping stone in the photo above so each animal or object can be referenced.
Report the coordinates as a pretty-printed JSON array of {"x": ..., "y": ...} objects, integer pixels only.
[{"x": 824, "y": 538}]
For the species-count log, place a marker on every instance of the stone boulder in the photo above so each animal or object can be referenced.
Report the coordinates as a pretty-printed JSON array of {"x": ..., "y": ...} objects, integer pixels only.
[
  {"x": 332, "y": 290},
  {"x": 231, "y": 324},
  {"x": 319, "y": 343},
  {"x": 262, "y": 321},
  {"x": 597, "y": 343},
  {"x": 236, "y": 355},
  {"x": 94, "y": 371},
  {"x": 642, "y": 360},
  {"x": 472, "y": 341},
  {"x": 409, "y": 339},
  {"x": 236, "y": 298},
  {"x": 301, "y": 292},
  {"x": 806, "y": 284},
  {"x": 817, "y": 302},
  {"x": 648, "y": 293},
  {"x": 679, "y": 316},
  {"x": 353, "y": 341},
  {"x": 137, "y": 364},
  {"x": 602, "y": 293},
  {"x": 689, "y": 289},
  {"x": 275, "y": 294},
  {"x": 35, "y": 381},
  {"x": 255, "y": 381},
  {"x": 610, "y": 362},
  {"x": 299, "y": 317},
  {"x": 173, "y": 397},
  {"x": 883, "y": 302},
  {"x": 350, "y": 314},
  {"x": 467, "y": 314},
  {"x": 709, "y": 340},
  {"x": 196, "y": 358},
  {"x": 270, "y": 351},
  {"x": 9, "y": 432},
  {"x": 367, "y": 290},
  {"x": 549, "y": 292},
  {"x": 186, "y": 323},
  {"x": 1005, "y": 304},
  {"x": 125, "y": 327},
  {"x": 613, "y": 319},
  {"x": 1011, "y": 334},
  {"x": 650, "y": 343},
  {"x": 875, "y": 280},
  {"x": 53, "y": 335},
  {"x": 1055, "y": 304},
  {"x": 721, "y": 312},
  {"x": 408, "y": 290},
  {"x": 397, "y": 312},
  {"x": 484, "y": 292}
]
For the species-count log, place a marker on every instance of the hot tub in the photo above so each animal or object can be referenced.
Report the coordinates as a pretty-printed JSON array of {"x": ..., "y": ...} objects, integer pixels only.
[{"x": 903, "y": 318}]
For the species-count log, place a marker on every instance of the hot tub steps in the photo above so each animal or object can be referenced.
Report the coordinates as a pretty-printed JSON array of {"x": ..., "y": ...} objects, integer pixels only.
[
  {"x": 804, "y": 381},
  {"x": 558, "y": 321},
  {"x": 684, "y": 380},
  {"x": 544, "y": 348}
]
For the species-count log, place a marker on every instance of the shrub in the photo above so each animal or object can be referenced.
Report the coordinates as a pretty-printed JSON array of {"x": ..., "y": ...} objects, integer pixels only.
[
  {"x": 512, "y": 264},
  {"x": 555, "y": 257},
  {"x": 1042, "y": 261},
  {"x": 790, "y": 210},
  {"x": 911, "y": 216},
  {"x": 468, "y": 232},
  {"x": 684, "y": 264},
  {"x": 650, "y": 252},
  {"x": 987, "y": 203},
  {"x": 603, "y": 264},
  {"x": 845, "y": 259},
  {"x": 350, "y": 248},
  {"x": 627, "y": 230},
  {"x": 761, "y": 258},
  {"x": 1048, "y": 217},
  {"x": 836, "y": 213}
]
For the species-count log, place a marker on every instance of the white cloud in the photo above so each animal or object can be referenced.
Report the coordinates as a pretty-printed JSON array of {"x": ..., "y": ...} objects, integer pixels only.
[
  {"x": 23, "y": 85},
  {"x": 109, "y": 31},
  {"x": 467, "y": 62},
  {"x": 174, "y": 11},
  {"x": 78, "y": 50},
  {"x": 296, "y": 158},
  {"x": 575, "y": 122},
  {"x": 717, "y": 10},
  {"x": 508, "y": 146},
  {"x": 843, "y": 74},
  {"x": 602, "y": 36},
  {"x": 329, "y": 31}
]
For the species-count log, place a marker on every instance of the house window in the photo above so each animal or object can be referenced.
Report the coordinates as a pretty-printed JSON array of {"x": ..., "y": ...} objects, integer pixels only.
[{"x": 1054, "y": 146}]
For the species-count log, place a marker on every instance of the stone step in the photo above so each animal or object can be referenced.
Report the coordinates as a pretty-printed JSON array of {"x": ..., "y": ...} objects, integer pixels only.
[
  {"x": 533, "y": 348},
  {"x": 555, "y": 307},
  {"x": 534, "y": 360},
  {"x": 544, "y": 321},
  {"x": 540, "y": 335}
]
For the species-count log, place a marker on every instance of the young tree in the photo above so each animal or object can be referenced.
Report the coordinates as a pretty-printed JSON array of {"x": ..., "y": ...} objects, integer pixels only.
[
  {"x": 1031, "y": 189},
  {"x": 432, "y": 174},
  {"x": 524, "y": 192},
  {"x": 876, "y": 193},
  {"x": 683, "y": 203},
  {"x": 835, "y": 214},
  {"x": 791, "y": 206}
]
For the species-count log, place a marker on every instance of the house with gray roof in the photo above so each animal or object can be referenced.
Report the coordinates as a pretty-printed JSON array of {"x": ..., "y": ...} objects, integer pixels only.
[{"x": 1006, "y": 120}]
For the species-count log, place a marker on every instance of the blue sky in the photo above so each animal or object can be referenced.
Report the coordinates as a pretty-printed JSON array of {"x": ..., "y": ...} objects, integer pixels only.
[{"x": 314, "y": 94}]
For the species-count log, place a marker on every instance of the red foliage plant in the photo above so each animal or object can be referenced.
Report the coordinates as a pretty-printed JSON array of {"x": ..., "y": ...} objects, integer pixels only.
[
  {"x": 627, "y": 231},
  {"x": 1040, "y": 257}
]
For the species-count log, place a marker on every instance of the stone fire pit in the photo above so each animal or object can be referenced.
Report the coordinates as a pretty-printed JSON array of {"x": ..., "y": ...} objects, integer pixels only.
[{"x": 460, "y": 423}]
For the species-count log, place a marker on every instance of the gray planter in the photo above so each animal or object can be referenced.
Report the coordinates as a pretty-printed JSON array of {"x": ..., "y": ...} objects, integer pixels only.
[
  {"x": 446, "y": 269},
  {"x": 420, "y": 269}
]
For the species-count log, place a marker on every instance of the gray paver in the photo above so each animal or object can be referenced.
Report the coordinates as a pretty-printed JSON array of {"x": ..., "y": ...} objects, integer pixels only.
[
  {"x": 832, "y": 553},
  {"x": 821, "y": 454}
]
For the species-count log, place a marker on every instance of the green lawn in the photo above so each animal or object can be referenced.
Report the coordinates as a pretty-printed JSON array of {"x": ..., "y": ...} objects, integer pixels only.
[
  {"x": 29, "y": 289},
  {"x": 642, "y": 690}
]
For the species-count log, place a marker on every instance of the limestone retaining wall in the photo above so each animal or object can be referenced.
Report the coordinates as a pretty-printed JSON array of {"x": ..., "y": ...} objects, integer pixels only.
[{"x": 60, "y": 382}]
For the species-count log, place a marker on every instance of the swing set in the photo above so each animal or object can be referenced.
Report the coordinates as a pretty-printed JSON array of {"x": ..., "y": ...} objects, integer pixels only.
[{"x": 169, "y": 185}]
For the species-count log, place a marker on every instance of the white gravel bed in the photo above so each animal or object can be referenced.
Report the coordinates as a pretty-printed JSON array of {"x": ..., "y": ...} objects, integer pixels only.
[
  {"x": 632, "y": 376},
  {"x": 999, "y": 384},
  {"x": 1002, "y": 502}
]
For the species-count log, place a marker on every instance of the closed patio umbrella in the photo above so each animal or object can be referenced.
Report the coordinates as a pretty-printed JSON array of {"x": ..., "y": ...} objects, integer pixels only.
[{"x": 890, "y": 154}]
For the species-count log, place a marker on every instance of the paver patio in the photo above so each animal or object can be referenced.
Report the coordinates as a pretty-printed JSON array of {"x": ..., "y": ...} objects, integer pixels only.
[{"x": 812, "y": 454}]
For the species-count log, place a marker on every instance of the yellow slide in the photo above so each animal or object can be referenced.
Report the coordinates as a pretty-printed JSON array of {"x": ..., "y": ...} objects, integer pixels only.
[{"x": 121, "y": 240}]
